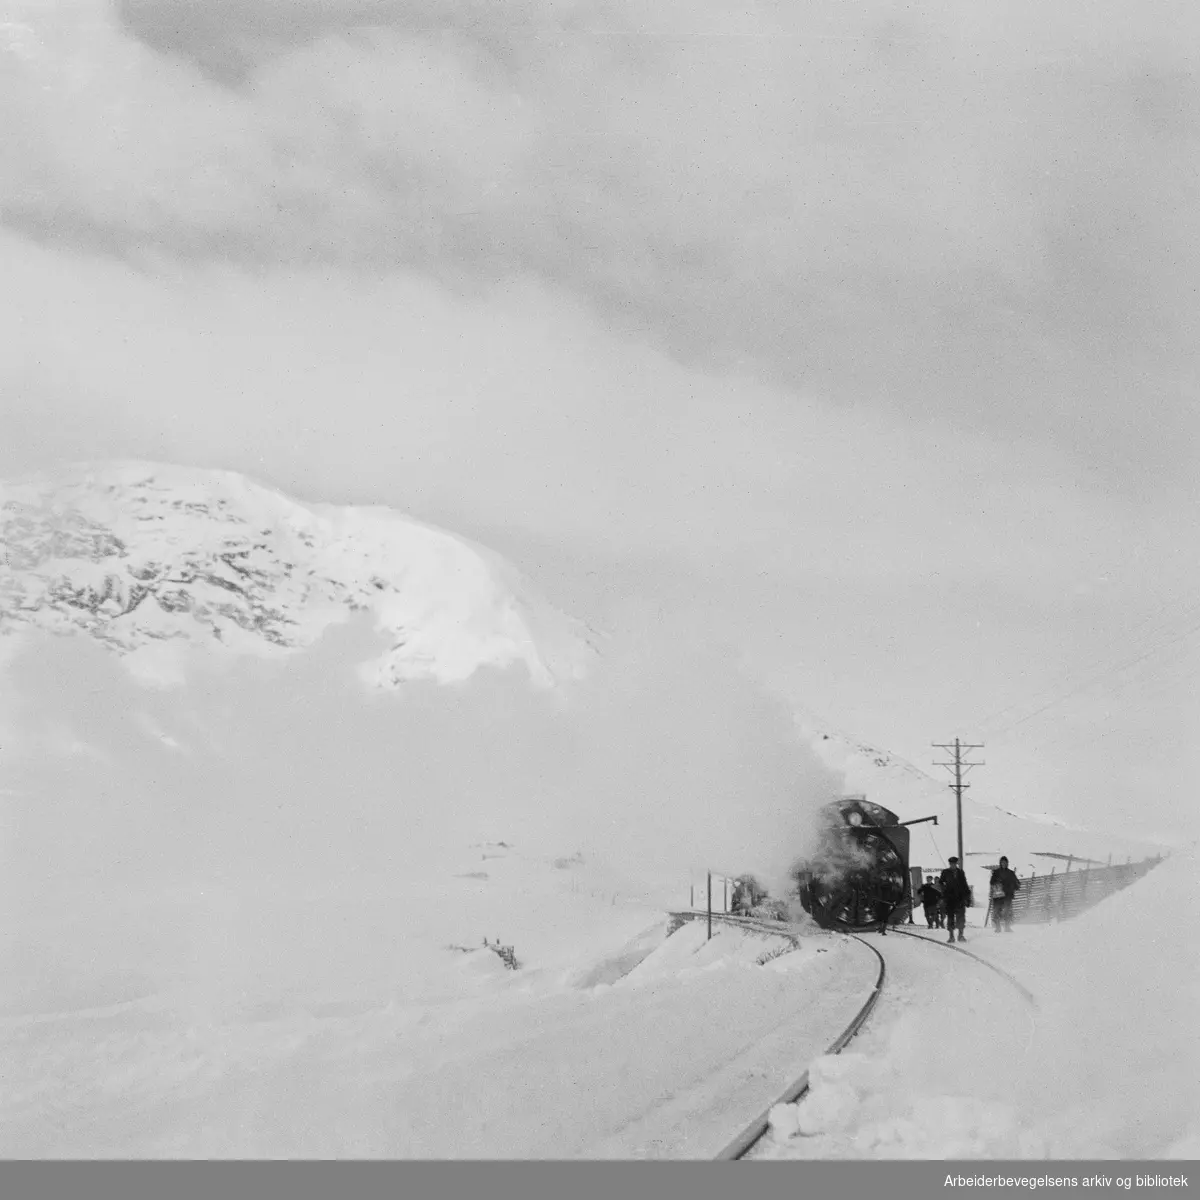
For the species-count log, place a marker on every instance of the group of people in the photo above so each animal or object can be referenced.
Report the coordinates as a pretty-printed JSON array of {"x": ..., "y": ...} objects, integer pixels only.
[{"x": 945, "y": 902}]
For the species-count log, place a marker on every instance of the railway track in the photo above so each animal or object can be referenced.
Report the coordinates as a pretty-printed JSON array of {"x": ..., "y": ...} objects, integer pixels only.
[
  {"x": 1030, "y": 998},
  {"x": 753, "y": 1133}
]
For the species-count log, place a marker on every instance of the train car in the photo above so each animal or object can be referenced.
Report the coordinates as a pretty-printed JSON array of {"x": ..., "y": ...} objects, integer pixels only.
[{"x": 858, "y": 877}]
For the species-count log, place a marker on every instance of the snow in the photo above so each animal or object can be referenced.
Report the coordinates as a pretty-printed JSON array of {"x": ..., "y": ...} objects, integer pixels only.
[
  {"x": 446, "y": 606},
  {"x": 783, "y": 1121},
  {"x": 616, "y": 1041},
  {"x": 471, "y": 1061},
  {"x": 245, "y": 914},
  {"x": 251, "y": 921},
  {"x": 957, "y": 1065}
]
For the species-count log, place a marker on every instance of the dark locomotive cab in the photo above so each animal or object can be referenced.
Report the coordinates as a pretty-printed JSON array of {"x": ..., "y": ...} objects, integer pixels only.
[{"x": 858, "y": 877}]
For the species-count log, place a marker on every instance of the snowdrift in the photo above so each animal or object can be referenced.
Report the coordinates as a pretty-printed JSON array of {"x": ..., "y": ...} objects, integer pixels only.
[{"x": 1107, "y": 1067}]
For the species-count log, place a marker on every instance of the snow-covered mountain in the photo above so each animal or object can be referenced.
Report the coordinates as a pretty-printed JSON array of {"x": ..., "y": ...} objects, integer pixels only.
[
  {"x": 256, "y": 883},
  {"x": 270, "y": 767},
  {"x": 151, "y": 559},
  {"x": 158, "y": 563}
]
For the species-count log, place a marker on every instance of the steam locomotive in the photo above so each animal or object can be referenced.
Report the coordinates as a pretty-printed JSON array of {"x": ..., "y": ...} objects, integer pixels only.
[{"x": 858, "y": 877}]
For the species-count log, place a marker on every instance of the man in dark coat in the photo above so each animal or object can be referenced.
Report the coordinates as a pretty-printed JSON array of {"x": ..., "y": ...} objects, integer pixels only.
[
  {"x": 930, "y": 897},
  {"x": 884, "y": 907},
  {"x": 1004, "y": 886},
  {"x": 955, "y": 894}
]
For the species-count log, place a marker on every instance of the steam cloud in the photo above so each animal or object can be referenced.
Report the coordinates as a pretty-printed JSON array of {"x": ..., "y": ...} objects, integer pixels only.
[{"x": 275, "y": 780}]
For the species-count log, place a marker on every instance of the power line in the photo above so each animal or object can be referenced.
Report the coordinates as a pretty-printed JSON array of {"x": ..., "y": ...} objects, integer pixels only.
[
  {"x": 1149, "y": 628},
  {"x": 936, "y": 848},
  {"x": 1094, "y": 734},
  {"x": 1098, "y": 678},
  {"x": 960, "y": 768}
]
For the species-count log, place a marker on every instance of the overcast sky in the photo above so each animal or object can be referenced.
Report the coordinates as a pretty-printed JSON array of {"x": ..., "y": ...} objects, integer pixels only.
[{"x": 863, "y": 334}]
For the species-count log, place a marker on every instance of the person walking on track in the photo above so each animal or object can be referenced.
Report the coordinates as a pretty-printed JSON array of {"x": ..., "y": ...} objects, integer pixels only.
[
  {"x": 1004, "y": 886},
  {"x": 955, "y": 894},
  {"x": 884, "y": 907},
  {"x": 930, "y": 897}
]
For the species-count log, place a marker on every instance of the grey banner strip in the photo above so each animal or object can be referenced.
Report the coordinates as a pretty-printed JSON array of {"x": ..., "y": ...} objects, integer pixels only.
[{"x": 582, "y": 1181}]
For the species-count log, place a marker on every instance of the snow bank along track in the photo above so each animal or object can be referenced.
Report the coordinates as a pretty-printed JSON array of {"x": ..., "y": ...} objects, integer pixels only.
[
  {"x": 757, "y": 1128},
  {"x": 758, "y": 924}
]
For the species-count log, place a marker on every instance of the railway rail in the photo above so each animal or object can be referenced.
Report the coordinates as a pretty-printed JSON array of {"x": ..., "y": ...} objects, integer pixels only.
[
  {"x": 753, "y": 1133},
  {"x": 991, "y": 966}
]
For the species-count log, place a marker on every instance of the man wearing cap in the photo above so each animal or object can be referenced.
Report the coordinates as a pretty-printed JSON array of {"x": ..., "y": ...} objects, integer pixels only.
[
  {"x": 930, "y": 898},
  {"x": 955, "y": 894}
]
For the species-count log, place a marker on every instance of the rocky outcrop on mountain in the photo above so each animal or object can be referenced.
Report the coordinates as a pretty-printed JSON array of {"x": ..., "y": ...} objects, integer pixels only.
[{"x": 140, "y": 556}]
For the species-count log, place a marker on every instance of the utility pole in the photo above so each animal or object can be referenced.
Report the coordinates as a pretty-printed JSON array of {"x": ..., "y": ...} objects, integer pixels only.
[{"x": 960, "y": 768}]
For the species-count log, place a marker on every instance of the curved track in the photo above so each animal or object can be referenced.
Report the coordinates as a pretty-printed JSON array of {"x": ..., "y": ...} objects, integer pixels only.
[
  {"x": 754, "y": 1131},
  {"x": 741, "y": 1146},
  {"x": 991, "y": 966}
]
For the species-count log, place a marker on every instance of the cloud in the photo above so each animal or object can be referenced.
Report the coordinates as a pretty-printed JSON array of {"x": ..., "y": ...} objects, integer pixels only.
[
  {"x": 971, "y": 229},
  {"x": 520, "y": 416},
  {"x": 977, "y": 217}
]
